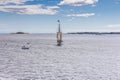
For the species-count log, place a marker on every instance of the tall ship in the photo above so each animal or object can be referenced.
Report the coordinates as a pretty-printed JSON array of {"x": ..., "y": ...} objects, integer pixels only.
[{"x": 59, "y": 35}]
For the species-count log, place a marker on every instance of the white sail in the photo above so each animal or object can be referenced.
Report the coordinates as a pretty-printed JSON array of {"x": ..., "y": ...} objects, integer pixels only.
[{"x": 59, "y": 36}]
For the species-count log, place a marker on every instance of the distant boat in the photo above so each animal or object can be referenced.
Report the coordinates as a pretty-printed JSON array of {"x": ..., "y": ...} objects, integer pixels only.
[
  {"x": 24, "y": 47},
  {"x": 59, "y": 35}
]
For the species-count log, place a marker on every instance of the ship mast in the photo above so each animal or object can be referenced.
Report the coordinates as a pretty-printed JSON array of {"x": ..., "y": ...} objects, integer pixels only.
[{"x": 59, "y": 26}]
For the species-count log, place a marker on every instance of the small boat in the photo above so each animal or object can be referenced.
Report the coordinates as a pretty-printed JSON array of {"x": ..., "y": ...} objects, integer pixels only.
[
  {"x": 59, "y": 35},
  {"x": 24, "y": 47}
]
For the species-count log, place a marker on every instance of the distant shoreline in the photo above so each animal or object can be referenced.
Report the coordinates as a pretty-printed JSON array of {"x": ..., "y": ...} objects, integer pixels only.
[{"x": 96, "y": 33}]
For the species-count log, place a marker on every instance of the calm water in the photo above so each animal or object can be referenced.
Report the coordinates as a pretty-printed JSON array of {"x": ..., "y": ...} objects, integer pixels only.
[{"x": 81, "y": 57}]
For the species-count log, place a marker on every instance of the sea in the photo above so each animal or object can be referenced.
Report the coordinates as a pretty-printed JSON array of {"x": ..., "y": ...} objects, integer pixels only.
[{"x": 80, "y": 57}]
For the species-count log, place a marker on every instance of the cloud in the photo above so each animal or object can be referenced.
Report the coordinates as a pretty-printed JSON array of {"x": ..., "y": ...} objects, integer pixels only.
[
  {"x": 114, "y": 25},
  {"x": 77, "y": 2},
  {"x": 26, "y": 9},
  {"x": 82, "y": 15},
  {"x": 3, "y": 2},
  {"x": 117, "y": 2},
  {"x": 52, "y": 7},
  {"x": 2, "y": 24},
  {"x": 29, "y": 9}
]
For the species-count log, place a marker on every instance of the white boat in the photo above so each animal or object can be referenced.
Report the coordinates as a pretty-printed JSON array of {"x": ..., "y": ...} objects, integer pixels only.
[{"x": 24, "y": 47}]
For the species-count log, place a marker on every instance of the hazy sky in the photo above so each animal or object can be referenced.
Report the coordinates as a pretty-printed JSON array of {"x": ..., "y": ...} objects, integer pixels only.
[{"x": 40, "y": 16}]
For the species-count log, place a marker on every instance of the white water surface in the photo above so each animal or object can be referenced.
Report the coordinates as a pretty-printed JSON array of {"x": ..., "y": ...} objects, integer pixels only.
[{"x": 81, "y": 57}]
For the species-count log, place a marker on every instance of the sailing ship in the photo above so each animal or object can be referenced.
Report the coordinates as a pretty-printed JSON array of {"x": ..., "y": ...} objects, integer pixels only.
[{"x": 59, "y": 35}]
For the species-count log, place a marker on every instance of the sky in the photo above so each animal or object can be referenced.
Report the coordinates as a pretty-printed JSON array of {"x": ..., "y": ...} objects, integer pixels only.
[{"x": 40, "y": 16}]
